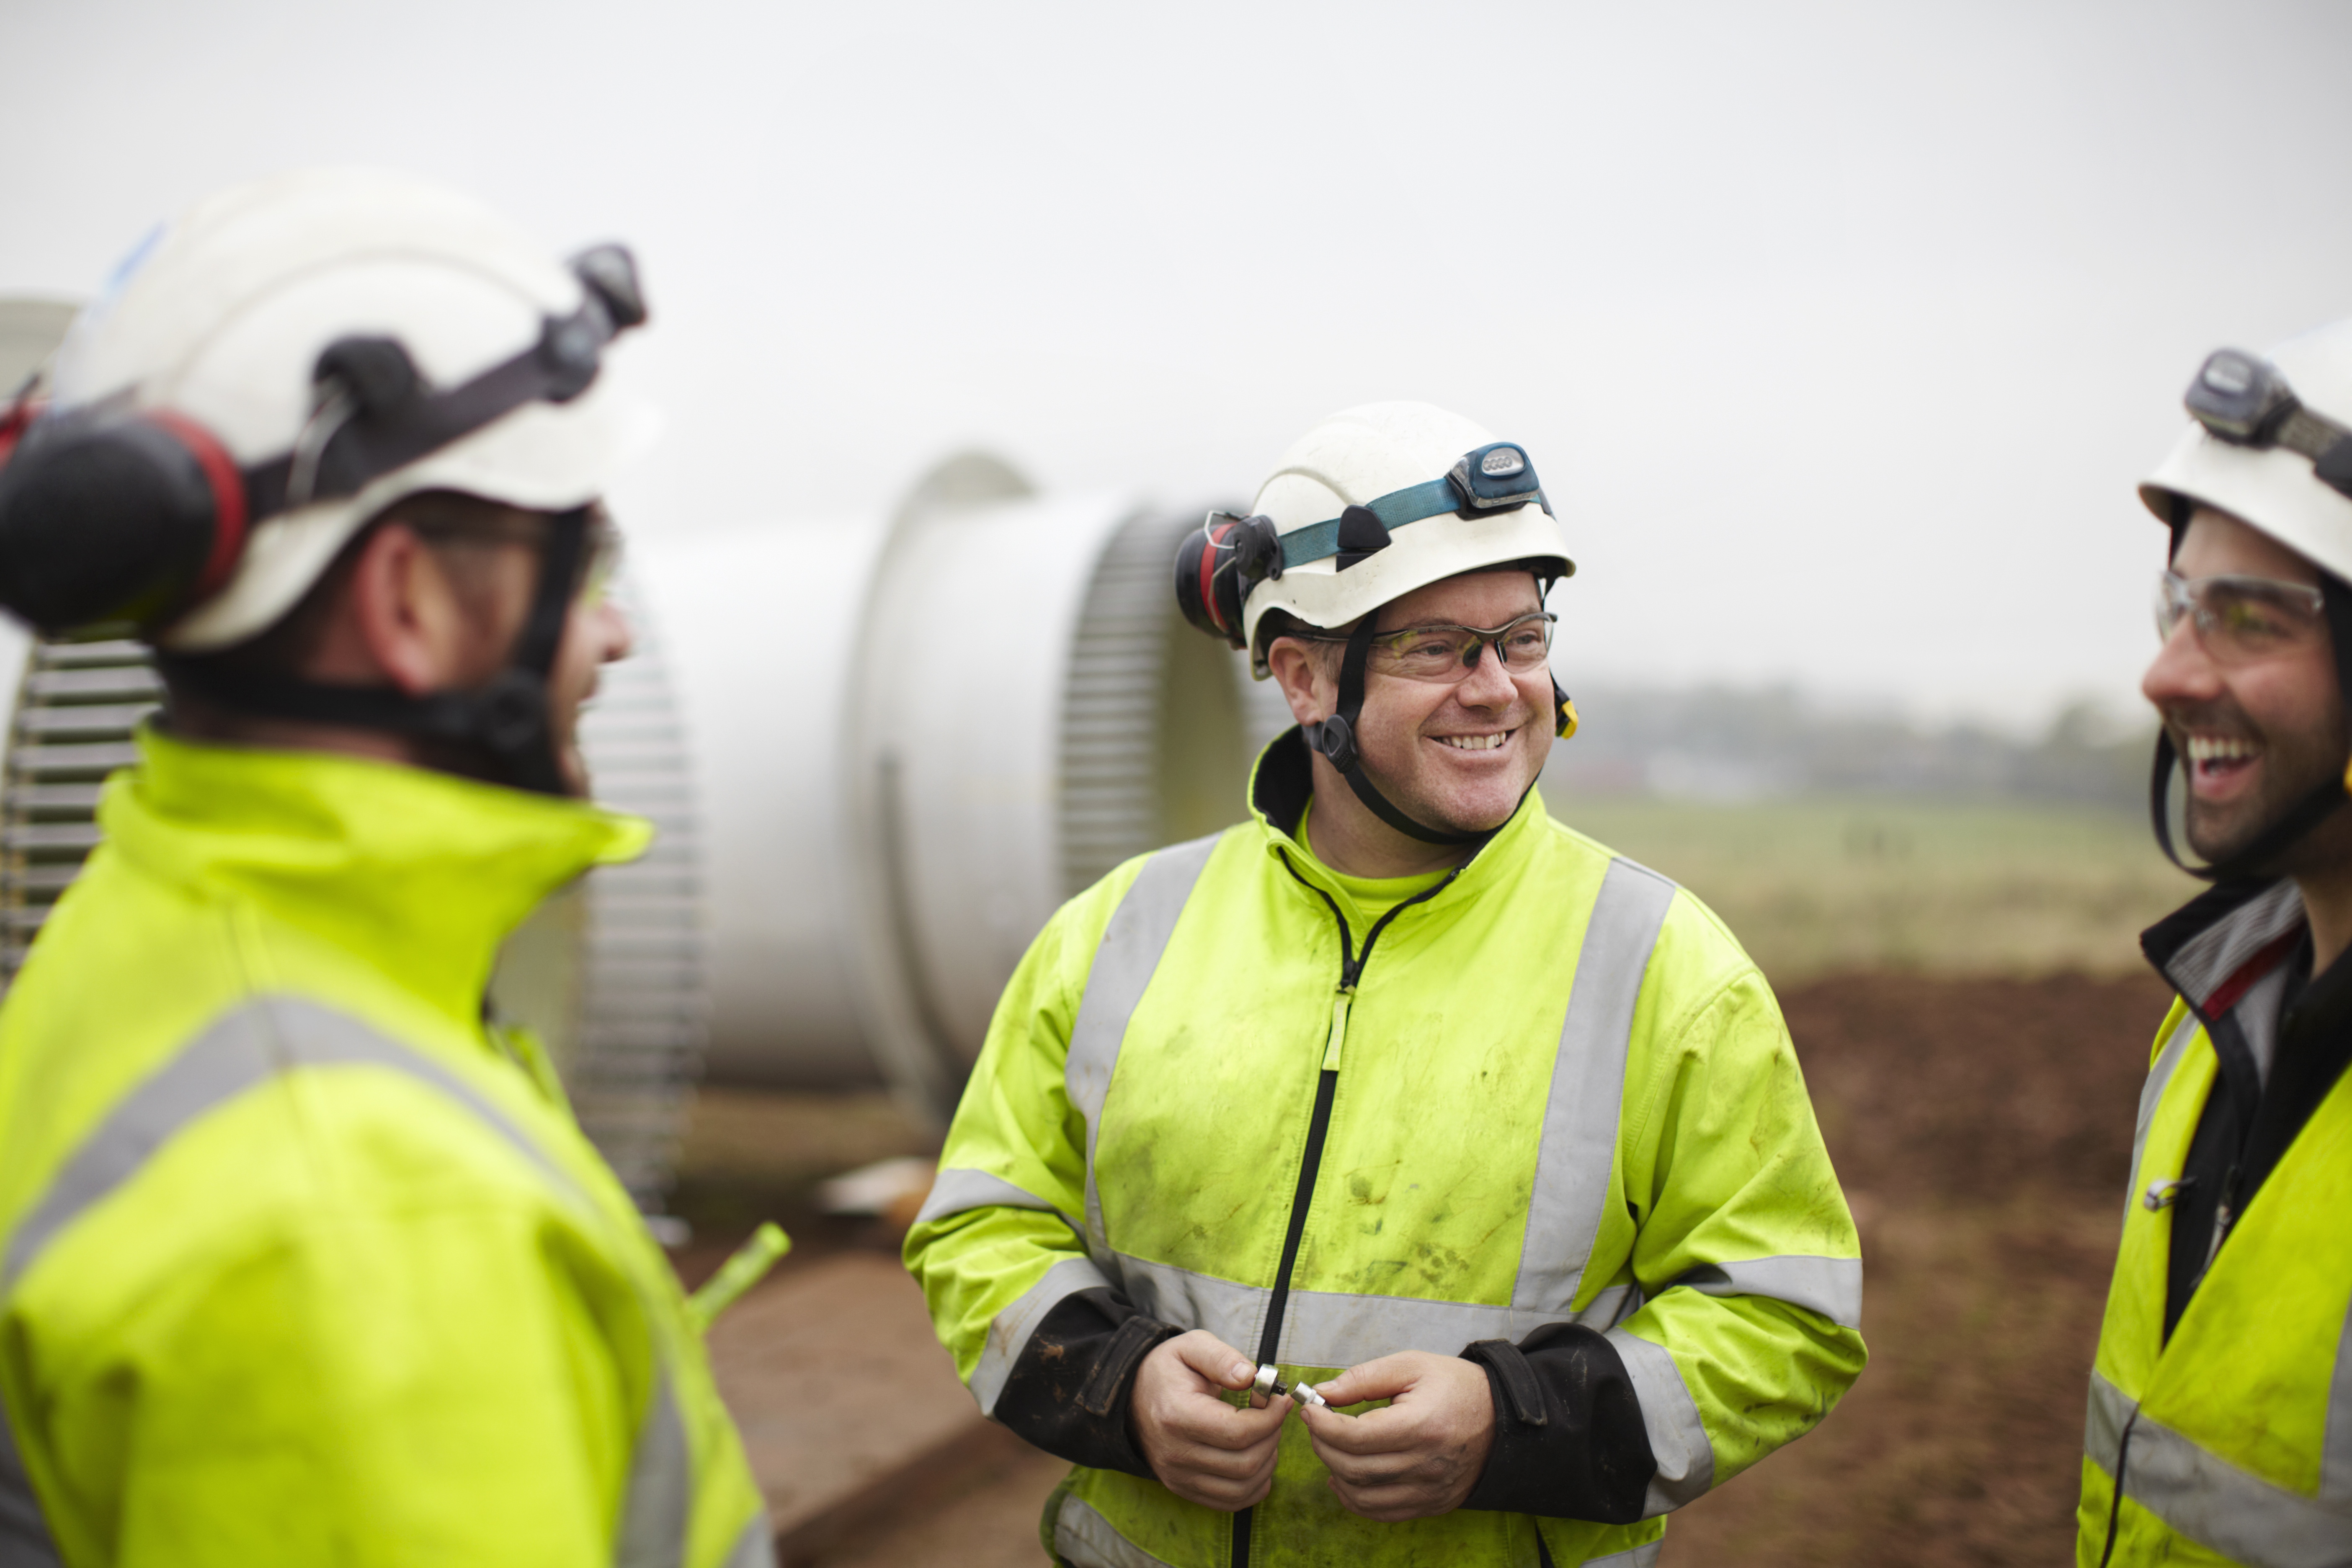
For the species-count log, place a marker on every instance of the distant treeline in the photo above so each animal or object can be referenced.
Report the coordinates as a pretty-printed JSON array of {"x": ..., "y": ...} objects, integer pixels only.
[{"x": 1722, "y": 744}]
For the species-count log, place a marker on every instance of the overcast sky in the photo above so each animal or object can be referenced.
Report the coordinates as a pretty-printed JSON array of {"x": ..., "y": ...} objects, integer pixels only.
[{"x": 1840, "y": 333}]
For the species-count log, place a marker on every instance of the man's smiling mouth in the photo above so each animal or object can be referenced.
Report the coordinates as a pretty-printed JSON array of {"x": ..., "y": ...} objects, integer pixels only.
[{"x": 1476, "y": 742}]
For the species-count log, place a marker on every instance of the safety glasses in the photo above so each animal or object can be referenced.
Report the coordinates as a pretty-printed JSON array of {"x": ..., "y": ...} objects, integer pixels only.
[
  {"x": 601, "y": 549},
  {"x": 2239, "y": 620},
  {"x": 1449, "y": 653}
]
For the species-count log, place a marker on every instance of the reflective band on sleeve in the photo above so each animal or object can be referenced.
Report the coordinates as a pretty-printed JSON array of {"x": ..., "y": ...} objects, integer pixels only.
[
  {"x": 755, "y": 1548},
  {"x": 1829, "y": 1286},
  {"x": 1085, "y": 1539},
  {"x": 2152, "y": 1092},
  {"x": 1643, "y": 1556},
  {"x": 956, "y": 1190},
  {"x": 274, "y": 1035},
  {"x": 1131, "y": 945},
  {"x": 1588, "y": 1085},
  {"x": 655, "y": 1509},
  {"x": 1011, "y": 1327},
  {"x": 253, "y": 1043},
  {"x": 25, "y": 1540},
  {"x": 1677, "y": 1436}
]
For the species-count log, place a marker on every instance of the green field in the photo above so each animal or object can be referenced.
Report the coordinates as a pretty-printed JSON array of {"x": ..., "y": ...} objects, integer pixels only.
[{"x": 1818, "y": 885}]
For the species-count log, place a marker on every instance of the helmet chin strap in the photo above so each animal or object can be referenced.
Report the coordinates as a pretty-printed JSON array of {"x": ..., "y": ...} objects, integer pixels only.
[
  {"x": 2313, "y": 808},
  {"x": 1335, "y": 738},
  {"x": 506, "y": 719}
]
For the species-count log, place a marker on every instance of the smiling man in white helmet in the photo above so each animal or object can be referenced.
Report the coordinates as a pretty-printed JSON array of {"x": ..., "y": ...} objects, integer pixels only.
[
  {"x": 1401, "y": 1089},
  {"x": 2221, "y": 1413},
  {"x": 303, "y": 1258}
]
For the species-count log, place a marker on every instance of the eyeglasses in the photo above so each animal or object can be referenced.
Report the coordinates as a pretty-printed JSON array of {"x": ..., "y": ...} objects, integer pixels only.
[
  {"x": 602, "y": 548},
  {"x": 1449, "y": 653},
  {"x": 2240, "y": 619}
]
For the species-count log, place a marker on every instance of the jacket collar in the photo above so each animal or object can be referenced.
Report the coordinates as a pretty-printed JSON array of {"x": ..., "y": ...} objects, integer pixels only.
[
  {"x": 1283, "y": 781},
  {"x": 421, "y": 874},
  {"x": 2221, "y": 944}
]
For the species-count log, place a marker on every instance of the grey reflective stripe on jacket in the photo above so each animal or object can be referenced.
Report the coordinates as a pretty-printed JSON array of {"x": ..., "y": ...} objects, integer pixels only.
[
  {"x": 250, "y": 1047},
  {"x": 2151, "y": 1094},
  {"x": 1084, "y": 1538},
  {"x": 2212, "y": 1502},
  {"x": 1138, "y": 933},
  {"x": 1579, "y": 1150}
]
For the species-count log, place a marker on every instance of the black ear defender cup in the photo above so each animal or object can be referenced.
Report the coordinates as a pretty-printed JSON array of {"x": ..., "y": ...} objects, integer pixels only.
[
  {"x": 1563, "y": 711},
  {"x": 1217, "y": 565},
  {"x": 104, "y": 518}
]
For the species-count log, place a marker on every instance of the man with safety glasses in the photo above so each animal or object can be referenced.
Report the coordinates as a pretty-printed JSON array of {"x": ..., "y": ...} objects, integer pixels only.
[
  {"x": 303, "y": 1258},
  {"x": 2220, "y": 1405},
  {"x": 1400, "y": 1088}
]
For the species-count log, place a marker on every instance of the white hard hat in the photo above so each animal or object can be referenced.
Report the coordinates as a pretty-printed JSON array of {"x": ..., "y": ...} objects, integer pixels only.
[
  {"x": 1362, "y": 457},
  {"x": 220, "y": 319},
  {"x": 2276, "y": 480}
]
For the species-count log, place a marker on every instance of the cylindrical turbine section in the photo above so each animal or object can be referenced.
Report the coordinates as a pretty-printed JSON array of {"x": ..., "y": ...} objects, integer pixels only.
[{"x": 914, "y": 738}]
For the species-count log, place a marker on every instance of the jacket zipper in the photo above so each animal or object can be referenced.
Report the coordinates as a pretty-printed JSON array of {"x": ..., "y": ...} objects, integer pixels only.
[{"x": 1327, "y": 1088}]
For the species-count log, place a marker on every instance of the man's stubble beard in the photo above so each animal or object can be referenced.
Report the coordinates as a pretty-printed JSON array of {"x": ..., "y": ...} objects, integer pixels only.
[{"x": 2294, "y": 769}]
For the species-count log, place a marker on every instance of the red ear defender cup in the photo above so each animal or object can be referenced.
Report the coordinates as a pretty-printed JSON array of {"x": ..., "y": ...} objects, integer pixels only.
[
  {"x": 14, "y": 421},
  {"x": 229, "y": 519},
  {"x": 104, "y": 518},
  {"x": 1218, "y": 564},
  {"x": 1198, "y": 558}
]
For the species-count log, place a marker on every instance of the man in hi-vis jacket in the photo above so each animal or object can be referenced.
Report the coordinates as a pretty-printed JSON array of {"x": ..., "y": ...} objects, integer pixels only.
[
  {"x": 2220, "y": 1410},
  {"x": 303, "y": 1258},
  {"x": 1400, "y": 1088}
]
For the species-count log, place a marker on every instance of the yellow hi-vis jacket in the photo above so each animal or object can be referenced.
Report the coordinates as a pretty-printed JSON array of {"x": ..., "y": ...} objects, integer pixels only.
[
  {"x": 1555, "y": 1092},
  {"x": 2233, "y": 1436},
  {"x": 299, "y": 1262}
]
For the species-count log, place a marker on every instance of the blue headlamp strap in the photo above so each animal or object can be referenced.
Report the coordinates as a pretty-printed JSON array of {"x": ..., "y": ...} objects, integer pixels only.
[{"x": 1495, "y": 478}]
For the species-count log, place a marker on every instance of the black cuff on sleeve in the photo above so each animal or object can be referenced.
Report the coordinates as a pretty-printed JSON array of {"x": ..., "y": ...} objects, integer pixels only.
[
  {"x": 1570, "y": 1442},
  {"x": 1071, "y": 1385}
]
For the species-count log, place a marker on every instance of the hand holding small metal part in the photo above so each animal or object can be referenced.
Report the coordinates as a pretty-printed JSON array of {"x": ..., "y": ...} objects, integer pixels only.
[
  {"x": 1201, "y": 1447},
  {"x": 1416, "y": 1457},
  {"x": 1269, "y": 1383}
]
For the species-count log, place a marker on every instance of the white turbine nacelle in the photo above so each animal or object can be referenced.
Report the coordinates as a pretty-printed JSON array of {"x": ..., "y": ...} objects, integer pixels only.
[{"x": 912, "y": 738}]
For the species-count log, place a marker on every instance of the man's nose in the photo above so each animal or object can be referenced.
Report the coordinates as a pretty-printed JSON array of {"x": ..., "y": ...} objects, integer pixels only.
[
  {"x": 1488, "y": 684},
  {"x": 2182, "y": 670},
  {"x": 615, "y": 638}
]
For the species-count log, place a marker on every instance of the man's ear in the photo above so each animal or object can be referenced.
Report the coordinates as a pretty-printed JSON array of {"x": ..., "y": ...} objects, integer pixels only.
[
  {"x": 1311, "y": 692},
  {"x": 410, "y": 620}
]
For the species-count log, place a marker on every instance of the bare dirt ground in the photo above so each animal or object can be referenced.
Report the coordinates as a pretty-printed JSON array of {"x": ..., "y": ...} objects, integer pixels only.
[{"x": 1981, "y": 1128}]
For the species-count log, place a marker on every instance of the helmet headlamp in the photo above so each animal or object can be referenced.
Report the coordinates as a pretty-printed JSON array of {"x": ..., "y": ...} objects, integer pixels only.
[{"x": 2241, "y": 398}]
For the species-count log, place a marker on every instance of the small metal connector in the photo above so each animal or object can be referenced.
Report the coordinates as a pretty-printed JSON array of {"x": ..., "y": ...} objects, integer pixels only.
[{"x": 1269, "y": 1383}]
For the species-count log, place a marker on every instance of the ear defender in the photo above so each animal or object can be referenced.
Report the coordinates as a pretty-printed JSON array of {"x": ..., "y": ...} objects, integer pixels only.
[
  {"x": 1563, "y": 712},
  {"x": 108, "y": 518},
  {"x": 1218, "y": 564}
]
